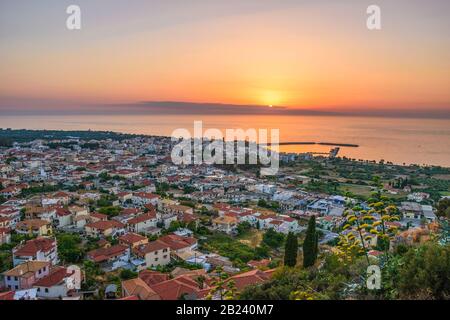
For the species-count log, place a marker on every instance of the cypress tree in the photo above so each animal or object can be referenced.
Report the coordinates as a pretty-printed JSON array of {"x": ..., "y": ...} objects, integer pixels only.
[
  {"x": 310, "y": 245},
  {"x": 291, "y": 249}
]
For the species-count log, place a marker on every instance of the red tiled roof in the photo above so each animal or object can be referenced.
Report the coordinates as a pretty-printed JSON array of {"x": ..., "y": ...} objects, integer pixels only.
[
  {"x": 276, "y": 222},
  {"x": 142, "y": 218},
  {"x": 32, "y": 223},
  {"x": 104, "y": 254},
  {"x": 31, "y": 247},
  {"x": 61, "y": 212},
  {"x": 104, "y": 225},
  {"x": 249, "y": 278},
  {"x": 245, "y": 214},
  {"x": 176, "y": 242},
  {"x": 129, "y": 298},
  {"x": 231, "y": 214},
  {"x": 9, "y": 295},
  {"x": 131, "y": 238},
  {"x": 102, "y": 242},
  {"x": 187, "y": 218},
  {"x": 146, "y": 195},
  {"x": 55, "y": 276},
  {"x": 138, "y": 288},
  {"x": 99, "y": 216},
  {"x": 265, "y": 217},
  {"x": 150, "y": 207},
  {"x": 151, "y": 247},
  {"x": 5, "y": 230},
  {"x": 258, "y": 263},
  {"x": 153, "y": 277},
  {"x": 175, "y": 288},
  {"x": 61, "y": 194},
  {"x": 130, "y": 211},
  {"x": 123, "y": 194}
]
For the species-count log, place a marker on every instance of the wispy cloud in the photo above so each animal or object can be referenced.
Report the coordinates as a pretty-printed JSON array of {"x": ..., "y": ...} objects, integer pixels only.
[{"x": 51, "y": 107}]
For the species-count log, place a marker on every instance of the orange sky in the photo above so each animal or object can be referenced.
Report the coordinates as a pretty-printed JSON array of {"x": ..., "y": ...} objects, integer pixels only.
[{"x": 288, "y": 54}]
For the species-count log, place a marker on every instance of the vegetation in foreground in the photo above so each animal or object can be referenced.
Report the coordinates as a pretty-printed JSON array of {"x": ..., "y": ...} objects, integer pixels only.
[{"x": 415, "y": 272}]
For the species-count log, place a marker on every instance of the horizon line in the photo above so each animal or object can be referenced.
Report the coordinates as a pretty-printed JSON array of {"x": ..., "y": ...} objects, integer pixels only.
[{"x": 167, "y": 107}]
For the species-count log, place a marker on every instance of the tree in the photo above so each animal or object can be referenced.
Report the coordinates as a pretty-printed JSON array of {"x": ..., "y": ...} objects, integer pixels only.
[
  {"x": 262, "y": 203},
  {"x": 365, "y": 225},
  {"x": 243, "y": 227},
  {"x": 443, "y": 208},
  {"x": 200, "y": 280},
  {"x": 69, "y": 250},
  {"x": 127, "y": 274},
  {"x": 273, "y": 239},
  {"x": 422, "y": 272},
  {"x": 188, "y": 189},
  {"x": 310, "y": 245},
  {"x": 174, "y": 226},
  {"x": 110, "y": 211},
  {"x": 291, "y": 249},
  {"x": 223, "y": 289},
  {"x": 262, "y": 251}
]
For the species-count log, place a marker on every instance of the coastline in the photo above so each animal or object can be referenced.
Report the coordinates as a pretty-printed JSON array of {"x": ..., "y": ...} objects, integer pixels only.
[{"x": 27, "y": 135}]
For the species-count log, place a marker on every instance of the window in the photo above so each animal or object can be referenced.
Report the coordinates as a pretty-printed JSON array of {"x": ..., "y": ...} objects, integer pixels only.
[
  {"x": 17, "y": 287},
  {"x": 46, "y": 290},
  {"x": 16, "y": 278},
  {"x": 156, "y": 252},
  {"x": 8, "y": 277},
  {"x": 38, "y": 289},
  {"x": 164, "y": 250},
  {"x": 165, "y": 256},
  {"x": 156, "y": 259}
]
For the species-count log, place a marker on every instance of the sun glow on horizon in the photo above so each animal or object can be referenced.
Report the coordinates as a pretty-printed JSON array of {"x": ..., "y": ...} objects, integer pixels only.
[
  {"x": 272, "y": 98},
  {"x": 270, "y": 54}
]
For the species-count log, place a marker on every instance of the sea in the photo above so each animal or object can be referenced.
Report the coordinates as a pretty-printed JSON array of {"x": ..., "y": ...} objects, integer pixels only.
[{"x": 398, "y": 140}]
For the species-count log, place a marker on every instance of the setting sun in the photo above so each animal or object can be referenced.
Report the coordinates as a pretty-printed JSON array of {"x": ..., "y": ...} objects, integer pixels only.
[{"x": 272, "y": 98}]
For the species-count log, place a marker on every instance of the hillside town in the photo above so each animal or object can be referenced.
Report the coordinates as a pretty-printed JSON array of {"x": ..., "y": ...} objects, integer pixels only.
[{"x": 116, "y": 219}]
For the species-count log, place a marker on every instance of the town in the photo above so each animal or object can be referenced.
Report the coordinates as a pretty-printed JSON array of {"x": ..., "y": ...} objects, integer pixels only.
[{"x": 97, "y": 215}]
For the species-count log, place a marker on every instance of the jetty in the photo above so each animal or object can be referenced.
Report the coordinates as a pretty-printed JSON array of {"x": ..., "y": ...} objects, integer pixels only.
[{"x": 291, "y": 143}]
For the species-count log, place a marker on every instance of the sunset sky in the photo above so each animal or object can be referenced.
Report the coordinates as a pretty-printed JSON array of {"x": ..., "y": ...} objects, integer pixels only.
[{"x": 315, "y": 55}]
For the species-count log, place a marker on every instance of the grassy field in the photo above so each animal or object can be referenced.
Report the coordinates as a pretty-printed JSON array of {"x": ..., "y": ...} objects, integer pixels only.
[
  {"x": 442, "y": 177},
  {"x": 359, "y": 190},
  {"x": 230, "y": 247},
  {"x": 365, "y": 191},
  {"x": 252, "y": 238}
]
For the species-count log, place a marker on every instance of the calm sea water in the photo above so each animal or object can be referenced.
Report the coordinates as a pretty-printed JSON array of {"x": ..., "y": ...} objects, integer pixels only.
[{"x": 420, "y": 141}]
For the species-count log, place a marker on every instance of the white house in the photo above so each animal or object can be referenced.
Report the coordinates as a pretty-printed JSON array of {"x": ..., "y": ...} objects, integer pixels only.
[
  {"x": 63, "y": 217},
  {"x": 155, "y": 253},
  {"x": 143, "y": 198},
  {"x": 142, "y": 222},
  {"x": 58, "y": 283},
  {"x": 39, "y": 249}
]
